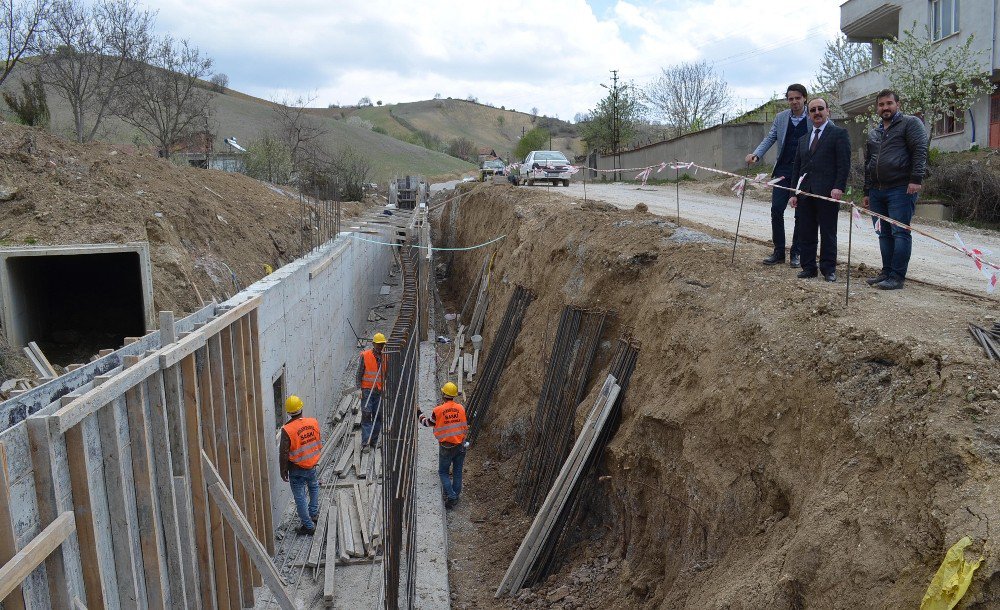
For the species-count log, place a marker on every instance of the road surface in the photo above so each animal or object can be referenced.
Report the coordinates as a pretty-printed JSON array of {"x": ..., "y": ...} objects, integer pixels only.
[{"x": 930, "y": 262}]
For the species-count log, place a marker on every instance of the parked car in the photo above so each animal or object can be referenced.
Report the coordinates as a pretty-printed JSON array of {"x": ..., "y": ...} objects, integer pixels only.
[
  {"x": 491, "y": 167},
  {"x": 545, "y": 166}
]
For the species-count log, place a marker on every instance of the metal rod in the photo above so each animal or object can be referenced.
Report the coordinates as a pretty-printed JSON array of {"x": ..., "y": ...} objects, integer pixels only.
[{"x": 743, "y": 194}]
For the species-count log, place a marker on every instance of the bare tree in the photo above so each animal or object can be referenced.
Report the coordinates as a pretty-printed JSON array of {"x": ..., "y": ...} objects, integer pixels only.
[
  {"x": 687, "y": 96},
  {"x": 220, "y": 82},
  {"x": 841, "y": 60},
  {"x": 89, "y": 52},
  {"x": 302, "y": 133},
  {"x": 19, "y": 25},
  {"x": 165, "y": 100}
]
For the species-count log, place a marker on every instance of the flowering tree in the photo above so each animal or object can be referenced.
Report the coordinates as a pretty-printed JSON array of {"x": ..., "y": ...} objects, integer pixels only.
[{"x": 934, "y": 80}]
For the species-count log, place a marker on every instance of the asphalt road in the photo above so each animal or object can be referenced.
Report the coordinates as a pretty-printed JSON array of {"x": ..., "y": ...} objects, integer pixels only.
[{"x": 930, "y": 262}]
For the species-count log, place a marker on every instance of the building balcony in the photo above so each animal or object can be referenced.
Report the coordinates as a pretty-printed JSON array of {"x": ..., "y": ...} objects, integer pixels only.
[
  {"x": 868, "y": 20},
  {"x": 858, "y": 92}
]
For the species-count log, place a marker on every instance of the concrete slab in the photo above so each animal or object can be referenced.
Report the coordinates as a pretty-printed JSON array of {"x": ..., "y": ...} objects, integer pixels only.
[{"x": 432, "y": 527}]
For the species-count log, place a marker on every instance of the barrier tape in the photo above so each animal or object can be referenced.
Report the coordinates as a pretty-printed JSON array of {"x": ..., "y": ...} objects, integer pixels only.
[{"x": 392, "y": 245}]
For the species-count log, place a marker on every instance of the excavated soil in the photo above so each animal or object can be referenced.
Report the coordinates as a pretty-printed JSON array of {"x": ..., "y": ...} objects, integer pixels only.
[
  {"x": 778, "y": 449},
  {"x": 210, "y": 233},
  {"x": 199, "y": 223}
]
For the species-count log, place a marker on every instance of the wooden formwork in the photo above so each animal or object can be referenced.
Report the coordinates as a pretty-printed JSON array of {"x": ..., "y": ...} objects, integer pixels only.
[{"x": 150, "y": 484}]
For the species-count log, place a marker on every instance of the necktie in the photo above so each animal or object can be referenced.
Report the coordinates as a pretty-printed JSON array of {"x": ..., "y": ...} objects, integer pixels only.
[{"x": 812, "y": 147}]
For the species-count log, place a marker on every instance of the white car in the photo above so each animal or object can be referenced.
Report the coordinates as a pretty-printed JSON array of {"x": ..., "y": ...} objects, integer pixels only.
[{"x": 546, "y": 166}]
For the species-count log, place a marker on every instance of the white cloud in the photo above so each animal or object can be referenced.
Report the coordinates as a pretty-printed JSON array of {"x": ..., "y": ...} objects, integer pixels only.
[{"x": 518, "y": 53}]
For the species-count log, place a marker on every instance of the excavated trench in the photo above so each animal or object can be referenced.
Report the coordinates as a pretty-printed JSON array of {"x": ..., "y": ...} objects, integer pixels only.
[{"x": 777, "y": 449}]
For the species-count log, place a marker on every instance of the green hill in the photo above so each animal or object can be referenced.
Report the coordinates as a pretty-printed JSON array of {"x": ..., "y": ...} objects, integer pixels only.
[
  {"x": 245, "y": 117},
  {"x": 449, "y": 119}
]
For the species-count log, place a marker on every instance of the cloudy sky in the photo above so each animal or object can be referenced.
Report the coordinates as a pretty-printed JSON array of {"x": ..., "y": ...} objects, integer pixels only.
[{"x": 519, "y": 54}]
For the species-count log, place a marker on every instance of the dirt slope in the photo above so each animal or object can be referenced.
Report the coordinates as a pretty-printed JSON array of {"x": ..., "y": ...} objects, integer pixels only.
[
  {"x": 777, "y": 450},
  {"x": 199, "y": 223}
]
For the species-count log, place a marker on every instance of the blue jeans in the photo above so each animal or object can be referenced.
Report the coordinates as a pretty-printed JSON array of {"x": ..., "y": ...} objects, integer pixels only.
[
  {"x": 895, "y": 242},
  {"x": 450, "y": 463},
  {"x": 299, "y": 479},
  {"x": 779, "y": 201},
  {"x": 371, "y": 416}
]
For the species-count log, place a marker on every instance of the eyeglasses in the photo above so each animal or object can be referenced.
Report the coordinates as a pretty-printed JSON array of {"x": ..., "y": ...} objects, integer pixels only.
[{"x": 817, "y": 109}]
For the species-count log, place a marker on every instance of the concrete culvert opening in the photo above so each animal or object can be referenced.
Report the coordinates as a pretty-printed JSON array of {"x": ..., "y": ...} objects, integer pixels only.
[{"x": 75, "y": 300}]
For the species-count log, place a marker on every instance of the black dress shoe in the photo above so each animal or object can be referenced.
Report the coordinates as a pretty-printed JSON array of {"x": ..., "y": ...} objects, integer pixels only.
[
  {"x": 305, "y": 531},
  {"x": 806, "y": 274},
  {"x": 775, "y": 259},
  {"x": 882, "y": 276},
  {"x": 890, "y": 283},
  {"x": 830, "y": 277},
  {"x": 793, "y": 262}
]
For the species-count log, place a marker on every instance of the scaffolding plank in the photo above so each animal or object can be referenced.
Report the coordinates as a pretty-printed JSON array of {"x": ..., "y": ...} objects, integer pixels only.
[{"x": 331, "y": 555}]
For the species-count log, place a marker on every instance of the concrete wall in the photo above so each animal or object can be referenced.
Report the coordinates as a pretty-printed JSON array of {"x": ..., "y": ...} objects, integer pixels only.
[
  {"x": 304, "y": 333},
  {"x": 723, "y": 146}
]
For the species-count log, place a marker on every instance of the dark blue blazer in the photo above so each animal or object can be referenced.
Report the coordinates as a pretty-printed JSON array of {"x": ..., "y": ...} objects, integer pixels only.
[{"x": 828, "y": 167}]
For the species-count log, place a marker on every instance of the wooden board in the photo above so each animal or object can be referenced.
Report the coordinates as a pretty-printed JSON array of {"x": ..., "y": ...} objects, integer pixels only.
[
  {"x": 245, "y": 445},
  {"x": 331, "y": 555},
  {"x": 154, "y": 566},
  {"x": 319, "y": 537},
  {"x": 240, "y": 525},
  {"x": 42, "y": 546},
  {"x": 265, "y": 473},
  {"x": 8, "y": 537},
  {"x": 362, "y": 518},
  {"x": 86, "y": 529}
]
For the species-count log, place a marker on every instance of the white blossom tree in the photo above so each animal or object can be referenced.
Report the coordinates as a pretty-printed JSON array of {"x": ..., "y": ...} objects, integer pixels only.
[{"x": 934, "y": 80}]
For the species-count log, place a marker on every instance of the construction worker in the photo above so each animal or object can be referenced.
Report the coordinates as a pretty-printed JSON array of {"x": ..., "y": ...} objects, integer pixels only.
[
  {"x": 371, "y": 376},
  {"x": 299, "y": 453},
  {"x": 450, "y": 427}
]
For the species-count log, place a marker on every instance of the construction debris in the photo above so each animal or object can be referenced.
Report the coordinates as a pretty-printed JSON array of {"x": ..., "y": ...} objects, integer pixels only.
[{"x": 989, "y": 339}]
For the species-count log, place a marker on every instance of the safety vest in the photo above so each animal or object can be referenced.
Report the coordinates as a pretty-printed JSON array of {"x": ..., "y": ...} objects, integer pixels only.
[
  {"x": 450, "y": 424},
  {"x": 304, "y": 444},
  {"x": 373, "y": 377}
]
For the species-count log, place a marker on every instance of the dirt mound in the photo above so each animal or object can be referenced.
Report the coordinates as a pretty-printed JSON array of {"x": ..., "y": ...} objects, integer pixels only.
[
  {"x": 777, "y": 449},
  {"x": 209, "y": 232}
]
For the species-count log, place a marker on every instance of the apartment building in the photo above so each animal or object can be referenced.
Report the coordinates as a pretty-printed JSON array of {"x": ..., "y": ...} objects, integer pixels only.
[{"x": 950, "y": 22}]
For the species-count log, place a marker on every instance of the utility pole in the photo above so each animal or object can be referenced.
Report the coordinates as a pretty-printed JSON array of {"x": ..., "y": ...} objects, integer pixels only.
[{"x": 615, "y": 125}]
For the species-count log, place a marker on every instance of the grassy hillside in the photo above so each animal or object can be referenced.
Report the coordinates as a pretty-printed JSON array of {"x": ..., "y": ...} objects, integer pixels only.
[
  {"x": 450, "y": 119},
  {"x": 245, "y": 117}
]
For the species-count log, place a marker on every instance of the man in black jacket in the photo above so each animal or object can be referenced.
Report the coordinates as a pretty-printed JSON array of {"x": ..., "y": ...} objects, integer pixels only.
[
  {"x": 823, "y": 161},
  {"x": 895, "y": 162}
]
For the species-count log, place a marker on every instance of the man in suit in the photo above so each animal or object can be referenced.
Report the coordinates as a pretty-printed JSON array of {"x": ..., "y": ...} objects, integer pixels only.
[
  {"x": 788, "y": 127},
  {"x": 823, "y": 161}
]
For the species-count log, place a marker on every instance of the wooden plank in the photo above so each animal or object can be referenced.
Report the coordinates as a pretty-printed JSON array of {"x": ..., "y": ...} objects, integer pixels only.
[
  {"x": 147, "y": 510},
  {"x": 41, "y": 547},
  {"x": 331, "y": 555},
  {"x": 357, "y": 454},
  {"x": 40, "y": 369},
  {"x": 351, "y": 544},
  {"x": 86, "y": 528},
  {"x": 164, "y": 484},
  {"x": 173, "y": 354},
  {"x": 345, "y": 459},
  {"x": 247, "y": 452},
  {"x": 362, "y": 517},
  {"x": 319, "y": 537},
  {"x": 255, "y": 437},
  {"x": 265, "y": 475},
  {"x": 220, "y": 430},
  {"x": 341, "y": 550},
  {"x": 220, "y": 570},
  {"x": 8, "y": 537},
  {"x": 236, "y": 519},
  {"x": 234, "y": 440},
  {"x": 199, "y": 499},
  {"x": 119, "y": 513},
  {"x": 79, "y": 408}
]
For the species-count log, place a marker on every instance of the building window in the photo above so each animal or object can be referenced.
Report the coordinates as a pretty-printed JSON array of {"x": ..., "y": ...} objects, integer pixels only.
[
  {"x": 949, "y": 124},
  {"x": 944, "y": 18}
]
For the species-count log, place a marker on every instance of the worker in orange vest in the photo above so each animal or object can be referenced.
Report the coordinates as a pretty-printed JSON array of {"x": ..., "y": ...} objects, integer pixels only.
[
  {"x": 450, "y": 427},
  {"x": 371, "y": 377},
  {"x": 299, "y": 453}
]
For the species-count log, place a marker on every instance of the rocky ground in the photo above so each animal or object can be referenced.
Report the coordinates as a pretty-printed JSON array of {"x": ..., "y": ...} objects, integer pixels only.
[{"x": 778, "y": 449}]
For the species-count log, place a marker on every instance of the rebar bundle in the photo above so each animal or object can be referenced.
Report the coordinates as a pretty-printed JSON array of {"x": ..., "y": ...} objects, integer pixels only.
[
  {"x": 496, "y": 360},
  {"x": 399, "y": 443},
  {"x": 621, "y": 368},
  {"x": 566, "y": 379}
]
